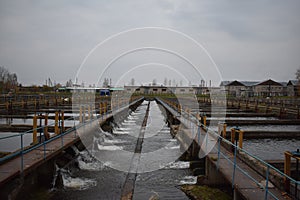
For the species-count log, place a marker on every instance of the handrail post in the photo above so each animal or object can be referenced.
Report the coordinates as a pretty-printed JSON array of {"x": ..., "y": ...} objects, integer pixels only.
[
  {"x": 204, "y": 120},
  {"x": 267, "y": 183},
  {"x": 224, "y": 130},
  {"x": 62, "y": 121},
  {"x": 22, "y": 157},
  {"x": 241, "y": 135},
  {"x": 34, "y": 135},
  {"x": 89, "y": 112},
  {"x": 80, "y": 114},
  {"x": 234, "y": 166},
  {"x": 56, "y": 123},
  {"x": 46, "y": 133},
  {"x": 44, "y": 146},
  {"x": 287, "y": 170},
  {"x": 199, "y": 133},
  {"x": 232, "y": 135},
  {"x": 219, "y": 149}
]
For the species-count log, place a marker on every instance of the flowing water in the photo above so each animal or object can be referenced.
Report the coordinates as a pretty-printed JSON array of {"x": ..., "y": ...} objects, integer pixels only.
[
  {"x": 101, "y": 176},
  {"x": 270, "y": 149}
]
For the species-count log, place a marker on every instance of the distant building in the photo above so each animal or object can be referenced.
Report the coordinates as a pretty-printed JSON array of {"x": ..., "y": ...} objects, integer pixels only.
[
  {"x": 239, "y": 88},
  {"x": 266, "y": 88},
  {"x": 293, "y": 88},
  {"x": 167, "y": 90},
  {"x": 269, "y": 88}
]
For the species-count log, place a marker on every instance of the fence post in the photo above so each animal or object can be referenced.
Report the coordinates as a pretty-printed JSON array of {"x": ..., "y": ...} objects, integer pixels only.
[
  {"x": 34, "y": 135},
  {"x": 224, "y": 130},
  {"x": 219, "y": 149},
  {"x": 287, "y": 170},
  {"x": 47, "y": 135},
  {"x": 232, "y": 135},
  {"x": 80, "y": 114},
  {"x": 62, "y": 121},
  {"x": 267, "y": 183},
  {"x": 89, "y": 112},
  {"x": 56, "y": 123},
  {"x": 22, "y": 158},
  {"x": 204, "y": 120},
  {"x": 241, "y": 134},
  {"x": 234, "y": 166}
]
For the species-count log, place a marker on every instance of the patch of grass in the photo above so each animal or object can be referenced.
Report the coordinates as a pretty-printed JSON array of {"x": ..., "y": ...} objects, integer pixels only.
[{"x": 197, "y": 192}]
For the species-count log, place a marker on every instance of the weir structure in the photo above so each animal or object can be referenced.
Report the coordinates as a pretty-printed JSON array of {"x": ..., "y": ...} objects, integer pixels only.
[
  {"x": 26, "y": 168},
  {"x": 228, "y": 163}
]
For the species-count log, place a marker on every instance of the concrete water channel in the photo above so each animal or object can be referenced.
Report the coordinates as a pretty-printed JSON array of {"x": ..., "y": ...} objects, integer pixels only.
[
  {"x": 153, "y": 168},
  {"x": 143, "y": 173}
]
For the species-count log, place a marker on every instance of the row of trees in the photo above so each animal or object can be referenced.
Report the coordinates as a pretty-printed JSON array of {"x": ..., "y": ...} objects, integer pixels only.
[{"x": 8, "y": 81}]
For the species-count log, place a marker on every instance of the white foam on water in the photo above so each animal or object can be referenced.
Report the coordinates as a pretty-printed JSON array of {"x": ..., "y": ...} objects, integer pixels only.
[
  {"x": 108, "y": 141},
  {"x": 109, "y": 148},
  {"x": 136, "y": 113},
  {"x": 77, "y": 183},
  {"x": 87, "y": 162},
  {"x": 127, "y": 123},
  {"x": 165, "y": 131},
  {"x": 177, "y": 165},
  {"x": 90, "y": 166},
  {"x": 121, "y": 132},
  {"x": 173, "y": 147},
  {"x": 188, "y": 180},
  {"x": 132, "y": 117},
  {"x": 124, "y": 129}
]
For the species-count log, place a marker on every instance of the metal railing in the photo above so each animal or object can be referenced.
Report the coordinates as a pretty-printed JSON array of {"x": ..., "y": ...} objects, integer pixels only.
[
  {"x": 236, "y": 151},
  {"x": 26, "y": 149}
]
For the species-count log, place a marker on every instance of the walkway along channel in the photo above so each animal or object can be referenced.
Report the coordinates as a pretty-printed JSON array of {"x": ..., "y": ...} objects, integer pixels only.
[
  {"x": 228, "y": 163},
  {"x": 128, "y": 188},
  {"x": 19, "y": 167}
]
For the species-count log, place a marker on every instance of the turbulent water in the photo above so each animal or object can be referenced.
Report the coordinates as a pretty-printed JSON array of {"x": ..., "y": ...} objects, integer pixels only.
[{"x": 97, "y": 178}]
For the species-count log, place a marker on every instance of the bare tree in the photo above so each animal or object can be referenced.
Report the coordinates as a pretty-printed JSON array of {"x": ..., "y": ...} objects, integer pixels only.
[
  {"x": 8, "y": 81},
  {"x": 298, "y": 75},
  {"x": 69, "y": 83}
]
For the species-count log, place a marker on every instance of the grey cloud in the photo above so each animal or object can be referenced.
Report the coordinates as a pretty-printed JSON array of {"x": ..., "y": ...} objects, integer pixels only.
[{"x": 52, "y": 38}]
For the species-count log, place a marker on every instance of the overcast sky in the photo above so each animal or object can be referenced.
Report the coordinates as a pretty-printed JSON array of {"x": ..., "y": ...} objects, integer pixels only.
[{"x": 248, "y": 40}]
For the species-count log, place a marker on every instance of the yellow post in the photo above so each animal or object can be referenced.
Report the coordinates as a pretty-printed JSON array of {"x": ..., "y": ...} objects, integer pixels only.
[
  {"x": 47, "y": 135},
  {"x": 56, "y": 131},
  {"x": 105, "y": 108},
  {"x": 80, "y": 114},
  {"x": 100, "y": 108},
  {"x": 224, "y": 130},
  {"x": 204, "y": 120},
  {"x": 232, "y": 135},
  {"x": 62, "y": 121},
  {"x": 89, "y": 112},
  {"x": 34, "y": 135},
  {"x": 241, "y": 135},
  {"x": 83, "y": 114},
  {"x": 287, "y": 169}
]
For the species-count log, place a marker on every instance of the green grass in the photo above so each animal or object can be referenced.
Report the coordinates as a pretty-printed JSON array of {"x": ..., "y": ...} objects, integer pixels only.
[{"x": 198, "y": 192}]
